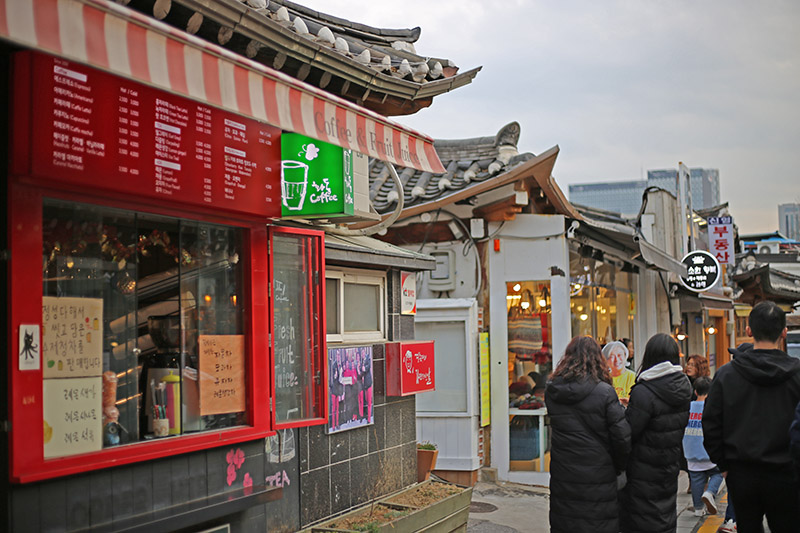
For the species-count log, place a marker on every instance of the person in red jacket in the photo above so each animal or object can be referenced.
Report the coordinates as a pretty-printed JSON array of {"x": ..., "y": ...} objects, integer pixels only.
[{"x": 746, "y": 423}]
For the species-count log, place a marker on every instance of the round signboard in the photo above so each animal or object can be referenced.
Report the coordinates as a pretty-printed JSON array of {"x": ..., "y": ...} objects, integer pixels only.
[{"x": 703, "y": 271}]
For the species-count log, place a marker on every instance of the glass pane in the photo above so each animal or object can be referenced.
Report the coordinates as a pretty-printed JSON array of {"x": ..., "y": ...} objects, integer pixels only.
[
  {"x": 332, "y": 305},
  {"x": 606, "y": 308},
  {"x": 296, "y": 316},
  {"x": 212, "y": 319},
  {"x": 529, "y": 333},
  {"x": 137, "y": 293},
  {"x": 451, "y": 367},
  {"x": 580, "y": 306},
  {"x": 530, "y": 362},
  {"x": 361, "y": 307}
]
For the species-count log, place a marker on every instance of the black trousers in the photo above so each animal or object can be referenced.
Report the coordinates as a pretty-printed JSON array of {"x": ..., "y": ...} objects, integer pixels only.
[{"x": 758, "y": 490}]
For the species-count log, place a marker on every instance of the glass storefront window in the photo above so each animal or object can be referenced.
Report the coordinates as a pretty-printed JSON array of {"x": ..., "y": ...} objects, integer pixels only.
[
  {"x": 530, "y": 362},
  {"x": 602, "y": 301},
  {"x": 142, "y": 327}
]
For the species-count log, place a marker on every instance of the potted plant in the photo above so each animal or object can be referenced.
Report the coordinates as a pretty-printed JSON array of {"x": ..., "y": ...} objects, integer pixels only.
[{"x": 426, "y": 460}]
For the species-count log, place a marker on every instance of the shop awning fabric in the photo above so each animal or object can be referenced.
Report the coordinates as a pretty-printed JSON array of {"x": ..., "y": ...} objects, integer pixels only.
[{"x": 116, "y": 39}]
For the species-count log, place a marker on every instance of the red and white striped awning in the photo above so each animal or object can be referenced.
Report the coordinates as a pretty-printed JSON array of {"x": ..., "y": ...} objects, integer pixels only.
[{"x": 119, "y": 40}]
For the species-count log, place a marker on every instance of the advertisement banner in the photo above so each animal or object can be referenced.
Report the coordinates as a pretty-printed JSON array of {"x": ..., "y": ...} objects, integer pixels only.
[
  {"x": 486, "y": 398},
  {"x": 720, "y": 239},
  {"x": 408, "y": 293}
]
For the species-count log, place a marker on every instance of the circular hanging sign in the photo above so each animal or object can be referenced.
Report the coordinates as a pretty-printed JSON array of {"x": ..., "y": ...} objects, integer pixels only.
[{"x": 703, "y": 271}]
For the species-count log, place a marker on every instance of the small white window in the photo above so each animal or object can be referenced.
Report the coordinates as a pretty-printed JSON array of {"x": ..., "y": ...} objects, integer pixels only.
[{"x": 355, "y": 305}]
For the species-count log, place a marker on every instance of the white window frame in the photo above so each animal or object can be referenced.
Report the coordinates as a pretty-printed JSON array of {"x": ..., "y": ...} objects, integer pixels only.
[{"x": 360, "y": 277}]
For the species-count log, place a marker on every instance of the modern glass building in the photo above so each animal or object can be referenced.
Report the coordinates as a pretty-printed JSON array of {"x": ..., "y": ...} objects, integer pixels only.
[
  {"x": 789, "y": 220},
  {"x": 625, "y": 197}
]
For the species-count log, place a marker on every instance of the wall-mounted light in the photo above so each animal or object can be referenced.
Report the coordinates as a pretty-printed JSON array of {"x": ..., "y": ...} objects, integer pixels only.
[
  {"x": 517, "y": 287},
  {"x": 711, "y": 330},
  {"x": 680, "y": 334}
]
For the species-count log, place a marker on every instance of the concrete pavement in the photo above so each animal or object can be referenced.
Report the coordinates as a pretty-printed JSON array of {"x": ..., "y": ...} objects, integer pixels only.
[{"x": 499, "y": 507}]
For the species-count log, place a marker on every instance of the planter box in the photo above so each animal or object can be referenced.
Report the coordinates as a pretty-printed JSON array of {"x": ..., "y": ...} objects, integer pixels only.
[{"x": 447, "y": 515}]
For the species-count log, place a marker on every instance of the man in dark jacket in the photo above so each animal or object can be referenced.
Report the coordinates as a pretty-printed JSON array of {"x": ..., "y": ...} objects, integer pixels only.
[{"x": 746, "y": 426}]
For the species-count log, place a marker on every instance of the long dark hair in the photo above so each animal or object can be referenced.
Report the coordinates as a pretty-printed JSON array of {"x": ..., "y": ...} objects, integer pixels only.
[
  {"x": 661, "y": 347},
  {"x": 583, "y": 359}
]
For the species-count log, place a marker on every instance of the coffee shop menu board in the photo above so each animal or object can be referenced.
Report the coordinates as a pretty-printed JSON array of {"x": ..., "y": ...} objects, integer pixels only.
[{"x": 105, "y": 132}]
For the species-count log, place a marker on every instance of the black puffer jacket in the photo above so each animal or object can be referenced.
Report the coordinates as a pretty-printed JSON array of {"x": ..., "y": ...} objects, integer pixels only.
[
  {"x": 657, "y": 412},
  {"x": 590, "y": 444},
  {"x": 749, "y": 409}
]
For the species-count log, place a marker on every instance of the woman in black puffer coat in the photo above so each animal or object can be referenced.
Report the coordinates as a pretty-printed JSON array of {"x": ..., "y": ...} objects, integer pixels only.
[
  {"x": 590, "y": 442},
  {"x": 657, "y": 412}
]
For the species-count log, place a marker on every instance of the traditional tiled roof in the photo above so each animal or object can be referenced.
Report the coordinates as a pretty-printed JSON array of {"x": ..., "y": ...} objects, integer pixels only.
[
  {"x": 374, "y": 67},
  {"x": 467, "y": 162},
  {"x": 761, "y": 281}
]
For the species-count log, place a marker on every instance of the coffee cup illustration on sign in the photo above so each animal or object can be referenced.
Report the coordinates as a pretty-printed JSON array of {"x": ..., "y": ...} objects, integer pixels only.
[
  {"x": 294, "y": 183},
  {"x": 294, "y": 178}
]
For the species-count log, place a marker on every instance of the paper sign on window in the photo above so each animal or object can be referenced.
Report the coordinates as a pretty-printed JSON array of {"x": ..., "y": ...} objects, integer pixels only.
[
  {"x": 222, "y": 386},
  {"x": 72, "y": 337},
  {"x": 72, "y": 416}
]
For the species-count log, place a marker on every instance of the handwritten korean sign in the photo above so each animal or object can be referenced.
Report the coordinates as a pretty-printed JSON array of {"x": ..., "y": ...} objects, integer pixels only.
[
  {"x": 72, "y": 337},
  {"x": 222, "y": 386},
  {"x": 72, "y": 416},
  {"x": 720, "y": 239}
]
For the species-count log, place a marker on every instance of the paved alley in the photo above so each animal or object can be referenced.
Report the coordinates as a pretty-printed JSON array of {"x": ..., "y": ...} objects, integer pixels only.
[{"x": 509, "y": 508}]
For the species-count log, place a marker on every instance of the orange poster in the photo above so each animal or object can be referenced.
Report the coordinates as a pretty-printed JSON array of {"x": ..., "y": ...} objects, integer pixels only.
[{"x": 222, "y": 387}]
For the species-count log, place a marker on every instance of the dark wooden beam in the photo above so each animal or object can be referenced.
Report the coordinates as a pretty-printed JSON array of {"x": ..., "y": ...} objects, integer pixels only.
[
  {"x": 418, "y": 233},
  {"x": 499, "y": 211}
]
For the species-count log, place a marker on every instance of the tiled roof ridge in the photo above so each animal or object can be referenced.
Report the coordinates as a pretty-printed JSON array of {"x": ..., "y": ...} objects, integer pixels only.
[
  {"x": 467, "y": 162},
  {"x": 507, "y": 136},
  {"x": 360, "y": 30}
]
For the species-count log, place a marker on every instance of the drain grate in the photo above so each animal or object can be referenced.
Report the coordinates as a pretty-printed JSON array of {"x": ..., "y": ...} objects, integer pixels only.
[{"x": 481, "y": 507}]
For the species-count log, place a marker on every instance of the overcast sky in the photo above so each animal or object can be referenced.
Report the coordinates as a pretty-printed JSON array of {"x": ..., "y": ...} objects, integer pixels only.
[{"x": 622, "y": 86}]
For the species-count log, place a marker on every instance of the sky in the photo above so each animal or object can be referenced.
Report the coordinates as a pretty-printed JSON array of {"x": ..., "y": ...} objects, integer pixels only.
[{"x": 621, "y": 86}]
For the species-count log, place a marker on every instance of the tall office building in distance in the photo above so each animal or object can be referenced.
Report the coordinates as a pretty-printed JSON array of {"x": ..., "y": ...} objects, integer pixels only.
[
  {"x": 704, "y": 183},
  {"x": 789, "y": 220},
  {"x": 625, "y": 197}
]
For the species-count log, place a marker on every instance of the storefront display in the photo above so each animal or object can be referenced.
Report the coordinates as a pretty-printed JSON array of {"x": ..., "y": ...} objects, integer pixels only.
[
  {"x": 146, "y": 215},
  {"x": 602, "y": 303},
  {"x": 530, "y": 362}
]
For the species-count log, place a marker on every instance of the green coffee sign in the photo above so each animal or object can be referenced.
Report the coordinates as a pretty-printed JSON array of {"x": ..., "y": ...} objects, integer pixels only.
[{"x": 316, "y": 178}]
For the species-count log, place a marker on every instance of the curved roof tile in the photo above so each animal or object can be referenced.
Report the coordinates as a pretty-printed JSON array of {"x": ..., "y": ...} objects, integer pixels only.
[{"x": 467, "y": 161}]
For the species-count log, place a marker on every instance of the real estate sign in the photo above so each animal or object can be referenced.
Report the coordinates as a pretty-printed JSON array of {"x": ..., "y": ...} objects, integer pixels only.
[{"x": 316, "y": 178}]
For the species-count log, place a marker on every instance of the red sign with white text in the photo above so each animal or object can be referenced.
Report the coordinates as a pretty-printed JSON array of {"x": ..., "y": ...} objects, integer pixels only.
[
  {"x": 410, "y": 368},
  {"x": 91, "y": 128}
]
